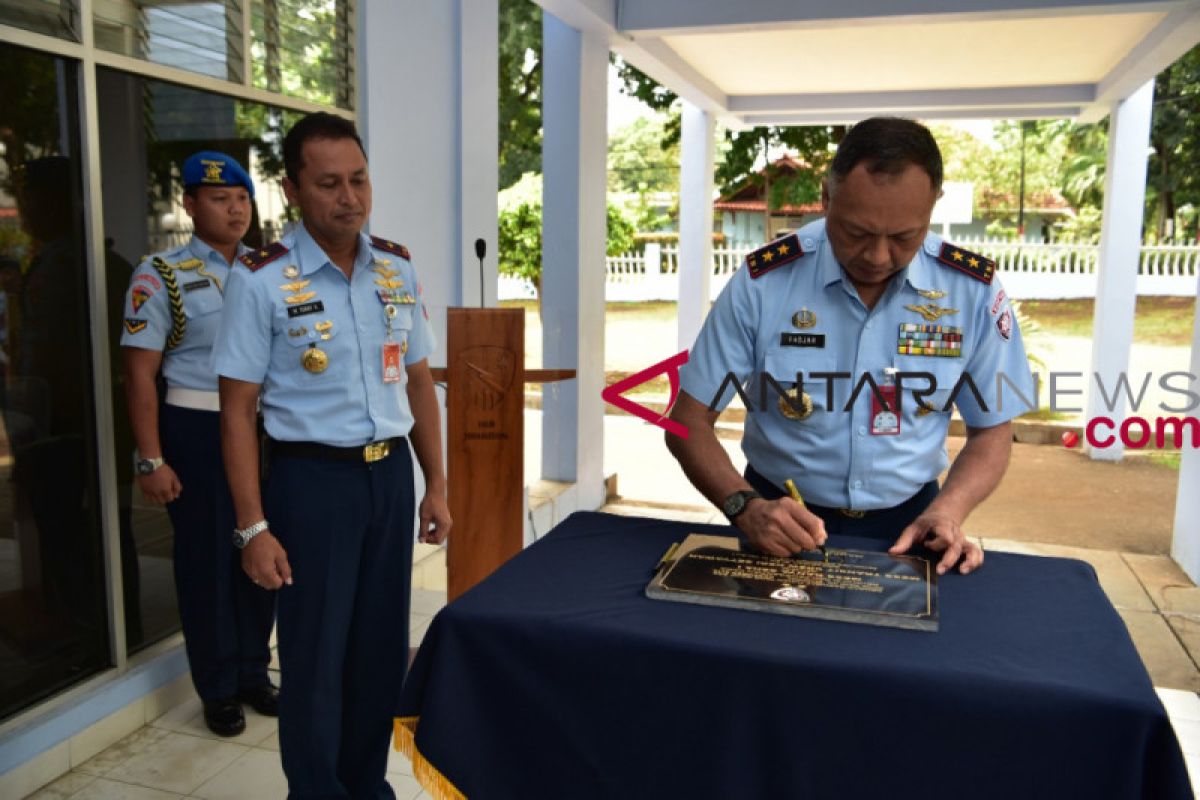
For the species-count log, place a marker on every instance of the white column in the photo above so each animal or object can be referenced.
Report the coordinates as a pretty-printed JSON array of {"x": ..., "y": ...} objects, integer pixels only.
[
  {"x": 574, "y": 151},
  {"x": 1120, "y": 244},
  {"x": 478, "y": 171},
  {"x": 1185, "y": 543},
  {"x": 695, "y": 221},
  {"x": 432, "y": 142}
]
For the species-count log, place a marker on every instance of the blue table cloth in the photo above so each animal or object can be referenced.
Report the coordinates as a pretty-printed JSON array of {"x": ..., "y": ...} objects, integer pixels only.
[{"x": 557, "y": 678}]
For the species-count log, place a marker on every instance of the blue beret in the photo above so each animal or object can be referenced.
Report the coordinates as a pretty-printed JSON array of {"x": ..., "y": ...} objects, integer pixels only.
[{"x": 210, "y": 168}]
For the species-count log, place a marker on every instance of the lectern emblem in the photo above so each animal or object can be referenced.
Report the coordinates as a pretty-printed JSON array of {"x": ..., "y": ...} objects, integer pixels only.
[{"x": 490, "y": 372}]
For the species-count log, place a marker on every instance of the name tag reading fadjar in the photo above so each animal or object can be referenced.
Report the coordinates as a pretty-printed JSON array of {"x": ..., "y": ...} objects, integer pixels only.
[
  {"x": 788, "y": 339},
  {"x": 391, "y": 362}
]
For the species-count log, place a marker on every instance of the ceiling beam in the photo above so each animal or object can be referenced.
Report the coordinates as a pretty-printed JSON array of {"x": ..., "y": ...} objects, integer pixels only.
[
  {"x": 1169, "y": 40},
  {"x": 663, "y": 17},
  {"x": 663, "y": 64},
  {"x": 849, "y": 117},
  {"x": 592, "y": 16},
  {"x": 875, "y": 102}
]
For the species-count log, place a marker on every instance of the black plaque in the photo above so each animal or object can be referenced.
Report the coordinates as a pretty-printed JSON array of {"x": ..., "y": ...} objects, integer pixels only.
[{"x": 861, "y": 586}]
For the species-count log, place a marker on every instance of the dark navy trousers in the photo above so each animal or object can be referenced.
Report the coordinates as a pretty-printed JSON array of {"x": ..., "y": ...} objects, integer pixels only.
[
  {"x": 348, "y": 531},
  {"x": 226, "y": 618}
]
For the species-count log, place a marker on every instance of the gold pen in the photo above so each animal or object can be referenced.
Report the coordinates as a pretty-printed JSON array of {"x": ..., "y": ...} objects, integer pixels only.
[{"x": 790, "y": 485}]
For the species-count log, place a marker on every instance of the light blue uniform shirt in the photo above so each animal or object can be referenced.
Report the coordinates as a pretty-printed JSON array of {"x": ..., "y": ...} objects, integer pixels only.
[
  {"x": 269, "y": 323},
  {"x": 201, "y": 274},
  {"x": 833, "y": 456}
]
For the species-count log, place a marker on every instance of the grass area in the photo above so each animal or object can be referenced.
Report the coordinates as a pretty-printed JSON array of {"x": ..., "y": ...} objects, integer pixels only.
[
  {"x": 1157, "y": 320},
  {"x": 1168, "y": 460}
]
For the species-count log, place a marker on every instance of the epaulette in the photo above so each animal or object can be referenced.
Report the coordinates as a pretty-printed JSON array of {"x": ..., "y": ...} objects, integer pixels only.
[
  {"x": 975, "y": 265},
  {"x": 774, "y": 255},
  {"x": 257, "y": 259},
  {"x": 380, "y": 243}
]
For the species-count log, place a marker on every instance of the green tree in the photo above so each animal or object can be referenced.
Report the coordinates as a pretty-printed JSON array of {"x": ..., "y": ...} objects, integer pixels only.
[
  {"x": 745, "y": 152},
  {"x": 638, "y": 162},
  {"x": 1172, "y": 180},
  {"x": 520, "y": 229},
  {"x": 520, "y": 90}
]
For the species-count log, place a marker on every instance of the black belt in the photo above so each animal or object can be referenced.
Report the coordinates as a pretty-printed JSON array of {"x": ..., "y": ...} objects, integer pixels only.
[{"x": 366, "y": 453}]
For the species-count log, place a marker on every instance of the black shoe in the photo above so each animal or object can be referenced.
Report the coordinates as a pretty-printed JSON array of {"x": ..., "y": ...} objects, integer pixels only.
[
  {"x": 224, "y": 717},
  {"x": 263, "y": 699}
]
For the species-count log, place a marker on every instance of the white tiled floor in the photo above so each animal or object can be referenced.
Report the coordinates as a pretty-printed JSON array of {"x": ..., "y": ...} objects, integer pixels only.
[{"x": 176, "y": 756}]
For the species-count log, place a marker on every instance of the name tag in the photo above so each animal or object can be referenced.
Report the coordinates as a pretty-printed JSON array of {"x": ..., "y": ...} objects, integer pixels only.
[
  {"x": 801, "y": 340},
  {"x": 306, "y": 308},
  {"x": 200, "y": 284}
]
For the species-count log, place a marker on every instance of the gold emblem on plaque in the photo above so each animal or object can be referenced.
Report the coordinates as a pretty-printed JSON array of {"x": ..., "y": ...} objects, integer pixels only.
[
  {"x": 931, "y": 312},
  {"x": 314, "y": 360},
  {"x": 294, "y": 287},
  {"x": 804, "y": 318},
  {"x": 931, "y": 294},
  {"x": 291, "y": 271},
  {"x": 795, "y": 405},
  {"x": 303, "y": 297}
]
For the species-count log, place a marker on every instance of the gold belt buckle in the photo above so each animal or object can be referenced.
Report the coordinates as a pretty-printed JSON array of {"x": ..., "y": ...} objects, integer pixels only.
[
  {"x": 852, "y": 514},
  {"x": 376, "y": 451}
]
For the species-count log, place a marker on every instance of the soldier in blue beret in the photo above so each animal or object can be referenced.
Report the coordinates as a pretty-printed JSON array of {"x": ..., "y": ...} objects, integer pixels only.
[
  {"x": 328, "y": 327},
  {"x": 848, "y": 316},
  {"x": 171, "y": 312}
]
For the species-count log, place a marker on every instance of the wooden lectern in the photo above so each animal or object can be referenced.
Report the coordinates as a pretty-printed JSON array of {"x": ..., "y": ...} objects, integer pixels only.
[{"x": 485, "y": 400}]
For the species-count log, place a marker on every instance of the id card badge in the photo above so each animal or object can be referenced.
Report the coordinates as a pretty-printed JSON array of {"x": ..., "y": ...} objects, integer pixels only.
[
  {"x": 391, "y": 362},
  {"x": 884, "y": 421}
]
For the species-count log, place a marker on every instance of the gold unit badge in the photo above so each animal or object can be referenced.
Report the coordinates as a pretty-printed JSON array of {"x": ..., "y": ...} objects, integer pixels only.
[{"x": 804, "y": 318}]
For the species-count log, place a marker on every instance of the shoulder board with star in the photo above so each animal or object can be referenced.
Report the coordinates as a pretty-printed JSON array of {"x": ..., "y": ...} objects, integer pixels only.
[
  {"x": 978, "y": 267},
  {"x": 257, "y": 259},
  {"x": 774, "y": 255},
  {"x": 380, "y": 243}
]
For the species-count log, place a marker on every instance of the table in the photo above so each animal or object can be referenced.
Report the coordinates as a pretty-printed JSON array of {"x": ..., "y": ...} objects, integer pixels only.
[{"x": 557, "y": 678}]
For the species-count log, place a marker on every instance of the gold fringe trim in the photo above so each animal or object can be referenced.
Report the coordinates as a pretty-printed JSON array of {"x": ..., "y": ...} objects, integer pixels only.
[{"x": 437, "y": 784}]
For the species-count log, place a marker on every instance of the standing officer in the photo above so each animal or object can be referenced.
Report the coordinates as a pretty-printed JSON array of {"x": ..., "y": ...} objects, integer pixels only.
[
  {"x": 866, "y": 293},
  {"x": 329, "y": 326},
  {"x": 172, "y": 309}
]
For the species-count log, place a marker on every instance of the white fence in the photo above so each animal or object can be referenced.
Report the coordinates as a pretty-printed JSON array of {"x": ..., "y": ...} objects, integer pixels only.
[{"x": 1028, "y": 271}]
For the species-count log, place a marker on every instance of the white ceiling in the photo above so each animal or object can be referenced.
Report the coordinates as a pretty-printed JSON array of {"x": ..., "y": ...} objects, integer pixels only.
[{"x": 815, "y": 61}]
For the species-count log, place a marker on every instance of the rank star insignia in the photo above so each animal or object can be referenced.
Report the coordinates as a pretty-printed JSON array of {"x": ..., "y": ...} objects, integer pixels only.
[
  {"x": 931, "y": 312},
  {"x": 973, "y": 264},
  {"x": 774, "y": 255},
  {"x": 931, "y": 294},
  {"x": 292, "y": 288},
  {"x": 303, "y": 297}
]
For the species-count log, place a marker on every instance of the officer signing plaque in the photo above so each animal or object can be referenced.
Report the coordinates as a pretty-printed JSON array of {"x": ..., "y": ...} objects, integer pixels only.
[{"x": 871, "y": 588}]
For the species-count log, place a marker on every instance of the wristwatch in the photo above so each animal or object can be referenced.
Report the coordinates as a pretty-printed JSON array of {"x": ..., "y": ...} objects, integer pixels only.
[
  {"x": 736, "y": 503},
  {"x": 144, "y": 466},
  {"x": 242, "y": 536}
]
